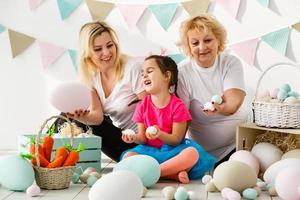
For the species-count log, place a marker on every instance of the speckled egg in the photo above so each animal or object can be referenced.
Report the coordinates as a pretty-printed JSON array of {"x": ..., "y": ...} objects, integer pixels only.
[{"x": 235, "y": 175}]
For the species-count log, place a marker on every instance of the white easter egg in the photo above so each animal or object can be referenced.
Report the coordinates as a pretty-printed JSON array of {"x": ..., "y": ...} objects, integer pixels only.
[
  {"x": 209, "y": 106},
  {"x": 274, "y": 93},
  {"x": 71, "y": 96},
  {"x": 267, "y": 154},
  {"x": 151, "y": 130},
  {"x": 233, "y": 195},
  {"x": 287, "y": 183},
  {"x": 290, "y": 100},
  {"x": 272, "y": 172},
  {"x": 124, "y": 184},
  {"x": 247, "y": 158},
  {"x": 206, "y": 178},
  {"x": 128, "y": 132},
  {"x": 33, "y": 191}
]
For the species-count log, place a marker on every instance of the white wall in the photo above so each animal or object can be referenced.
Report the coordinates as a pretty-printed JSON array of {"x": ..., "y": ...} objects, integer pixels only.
[{"x": 25, "y": 85}]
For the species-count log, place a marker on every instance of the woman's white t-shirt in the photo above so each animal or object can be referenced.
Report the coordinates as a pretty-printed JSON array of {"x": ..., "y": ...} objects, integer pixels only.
[
  {"x": 196, "y": 86},
  {"x": 125, "y": 91}
]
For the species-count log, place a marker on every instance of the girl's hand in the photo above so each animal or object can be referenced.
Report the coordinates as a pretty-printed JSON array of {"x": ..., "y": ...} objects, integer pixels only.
[
  {"x": 78, "y": 114},
  {"x": 129, "y": 138},
  {"x": 153, "y": 135}
]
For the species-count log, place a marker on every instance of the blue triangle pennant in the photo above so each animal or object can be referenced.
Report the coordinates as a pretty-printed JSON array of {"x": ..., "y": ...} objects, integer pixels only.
[
  {"x": 278, "y": 40},
  {"x": 66, "y": 7},
  {"x": 2, "y": 28},
  {"x": 177, "y": 57},
  {"x": 73, "y": 54},
  {"x": 264, "y": 3},
  {"x": 164, "y": 13}
]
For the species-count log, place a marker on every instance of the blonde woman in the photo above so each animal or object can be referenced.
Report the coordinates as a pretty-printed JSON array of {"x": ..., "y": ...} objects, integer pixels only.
[
  {"x": 114, "y": 80},
  {"x": 207, "y": 72}
]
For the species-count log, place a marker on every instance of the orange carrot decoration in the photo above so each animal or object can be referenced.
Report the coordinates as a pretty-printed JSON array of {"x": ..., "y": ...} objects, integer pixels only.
[
  {"x": 60, "y": 156},
  {"x": 73, "y": 156},
  {"x": 47, "y": 146},
  {"x": 57, "y": 162},
  {"x": 43, "y": 161}
]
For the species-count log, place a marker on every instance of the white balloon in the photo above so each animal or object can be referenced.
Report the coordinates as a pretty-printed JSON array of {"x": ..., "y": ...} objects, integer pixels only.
[
  {"x": 272, "y": 172},
  {"x": 124, "y": 184},
  {"x": 71, "y": 96}
]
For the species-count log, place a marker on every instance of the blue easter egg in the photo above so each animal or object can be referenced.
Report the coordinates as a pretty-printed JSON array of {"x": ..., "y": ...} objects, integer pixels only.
[
  {"x": 293, "y": 94},
  {"x": 286, "y": 87},
  {"x": 75, "y": 178},
  {"x": 145, "y": 167},
  {"x": 282, "y": 95},
  {"x": 250, "y": 193},
  {"x": 16, "y": 173},
  {"x": 217, "y": 99},
  {"x": 91, "y": 180},
  {"x": 181, "y": 195}
]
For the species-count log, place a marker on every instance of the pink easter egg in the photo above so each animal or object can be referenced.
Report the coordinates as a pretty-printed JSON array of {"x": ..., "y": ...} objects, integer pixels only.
[
  {"x": 225, "y": 191},
  {"x": 33, "y": 191},
  {"x": 287, "y": 183},
  {"x": 247, "y": 158},
  {"x": 233, "y": 195},
  {"x": 71, "y": 96}
]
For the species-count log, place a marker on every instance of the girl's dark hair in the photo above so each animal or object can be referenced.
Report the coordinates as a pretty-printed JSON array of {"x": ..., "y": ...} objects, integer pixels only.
[{"x": 165, "y": 63}]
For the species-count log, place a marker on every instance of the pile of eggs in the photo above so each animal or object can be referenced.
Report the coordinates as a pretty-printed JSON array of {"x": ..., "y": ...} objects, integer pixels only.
[
  {"x": 89, "y": 176},
  {"x": 284, "y": 94}
]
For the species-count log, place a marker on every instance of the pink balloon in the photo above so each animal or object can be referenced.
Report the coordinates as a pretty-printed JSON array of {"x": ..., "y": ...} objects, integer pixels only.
[
  {"x": 69, "y": 97},
  {"x": 287, "y": 183}
]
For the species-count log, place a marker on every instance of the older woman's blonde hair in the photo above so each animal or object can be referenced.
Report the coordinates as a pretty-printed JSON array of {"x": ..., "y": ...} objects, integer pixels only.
[
  {"x": 201, "y": 23},
  {"x": 87, "y": 35}
]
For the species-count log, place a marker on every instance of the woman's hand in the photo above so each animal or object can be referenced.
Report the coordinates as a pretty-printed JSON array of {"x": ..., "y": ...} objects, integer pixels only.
[
  {"x": 129, "y": 138},
  {"x": 78, "y": 115}
]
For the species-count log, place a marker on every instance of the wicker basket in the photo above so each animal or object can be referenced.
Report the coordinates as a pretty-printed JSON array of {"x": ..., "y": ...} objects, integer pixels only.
[
  {"x": 278, "y": 115},
  {"x": 52, "y": 178}
]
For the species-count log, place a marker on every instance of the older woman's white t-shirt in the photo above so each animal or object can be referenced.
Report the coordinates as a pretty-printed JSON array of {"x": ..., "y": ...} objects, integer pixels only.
[
  {"x": 116, "y": 104},
  {"x": 196, "y": 87}
]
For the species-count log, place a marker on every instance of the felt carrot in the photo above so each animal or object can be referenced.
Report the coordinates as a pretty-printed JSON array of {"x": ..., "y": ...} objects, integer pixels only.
[
  {"x": 73, "y": 156},
  {"x": 60, "y": 152},
  {"x": 43, "y": 161},
  {"x": 57, "y": 162},
  {"x": 48, "y": 145}
]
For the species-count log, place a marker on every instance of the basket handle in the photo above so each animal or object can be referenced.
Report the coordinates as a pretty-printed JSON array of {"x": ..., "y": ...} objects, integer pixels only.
[
  {"x": 37, "y": 139},
  {"x": 268, "y": 69}
]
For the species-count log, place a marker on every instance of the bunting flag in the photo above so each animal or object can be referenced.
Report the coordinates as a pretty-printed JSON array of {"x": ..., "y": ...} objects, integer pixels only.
[
  {"x": 2, "y": 28},
  {"x": 278, "y": 40},
  {"x": 196, "y": 7},
  {"x": 66, "y": 7},
  {"x": 164, "y": 13},
  {"x": 73, "y": 55},
  {"x": 246, "y": 50},
  {"x": 177, "y": 57},
  {"x": 99, "y": 10},
  {"x": 19, "y": 42},
  {"x": 132, "y": 13},
  {"x": 230, "y": 6},
  {"x": 50, "y": 53},
  {"x": 264, "y": 3},
  {"x": 34, "y": 4},
  {"x": 295, "y": 26}
]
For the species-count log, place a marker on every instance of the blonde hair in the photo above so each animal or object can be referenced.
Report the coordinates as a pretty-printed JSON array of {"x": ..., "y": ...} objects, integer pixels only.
[
  {"x": 87, "y": 35},
  {"x": 201, "y": 23}
]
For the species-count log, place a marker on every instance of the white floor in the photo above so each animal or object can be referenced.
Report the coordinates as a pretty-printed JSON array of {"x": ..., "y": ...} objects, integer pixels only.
[{"x": 80, "y": 191}]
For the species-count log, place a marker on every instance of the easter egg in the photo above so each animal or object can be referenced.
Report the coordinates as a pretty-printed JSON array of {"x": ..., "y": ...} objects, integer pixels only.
[
  {"x": 250, "y": 193},
  {"x": 233, "y": 195},
  {"x": 151, "y": 130},
  {"x": 206, "y": 178},
  {"x": 287, "y": 183},
  {"x": 282, "y": 95},
  {"x": 69, "y": 97},
  {"x": 209, "y": 106},
  {"x": 16, "y": 173},
  {"x": 267, "y": 154},
  {"x": 91, "y": 180},
  {"x": 272, "y": 172},
  {"x": 33, "y": 191},
  {"x": 291, "y": 154},
  {"x": 235, "y": 175},
  {"x": 145, "y": 167},
  {"x": 217, "y": 99},
  {"x": 274, "y": 93},
  {"x": 124, "y": 184},
  {"x": 168, "y": 192},
  {"x": 181, "y": 195},
  {"x": 247, "y": 158},
  {"x": 290, "y": 100},
  {"x": 285, "y": 87},
  {"x": 293, "y": 94}
]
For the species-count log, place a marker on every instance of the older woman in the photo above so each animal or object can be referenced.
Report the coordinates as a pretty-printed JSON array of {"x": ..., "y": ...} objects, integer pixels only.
[
  {"x": 206, "y": 73},
  {"x": 115, "y": 85}
]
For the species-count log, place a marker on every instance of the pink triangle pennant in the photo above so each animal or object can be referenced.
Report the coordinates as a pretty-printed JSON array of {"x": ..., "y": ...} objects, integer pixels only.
[
  {"x": 132, "y": 13},
  {"x": 50, "y": 53},
  {"x": 246, "y": 50},
  {"x": 34, "y": 4},
  {"x": 230, "y": 6}
]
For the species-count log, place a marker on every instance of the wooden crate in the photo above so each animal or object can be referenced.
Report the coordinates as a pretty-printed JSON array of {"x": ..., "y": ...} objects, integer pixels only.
[
  {"x": 246, "y": 134},
  {"x": 90, "y": 157}
]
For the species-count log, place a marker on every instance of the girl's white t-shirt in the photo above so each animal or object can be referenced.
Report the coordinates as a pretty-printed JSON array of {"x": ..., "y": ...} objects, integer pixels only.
[
  {"x": 196, "y": 86},
  {"x": 125, "y": 91}
]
